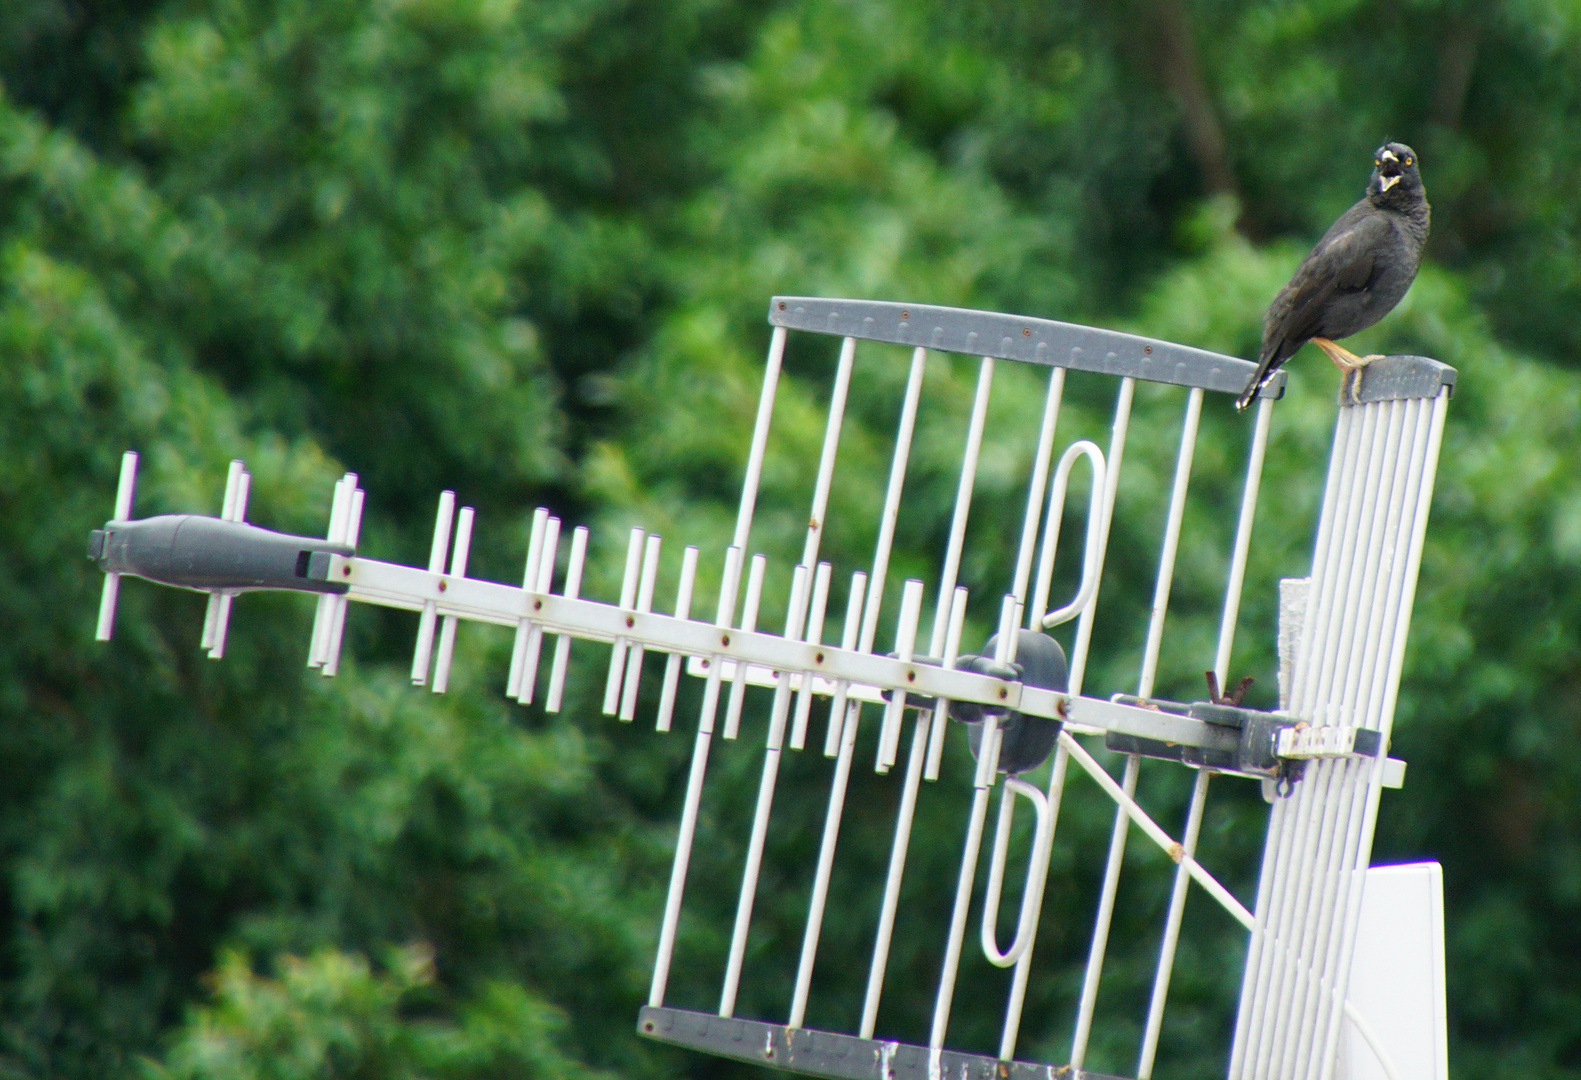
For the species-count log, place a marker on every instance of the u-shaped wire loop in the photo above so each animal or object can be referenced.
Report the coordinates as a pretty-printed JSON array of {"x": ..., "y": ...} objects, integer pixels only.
[
  {"x": 1056, "y": 518},
  {"x": 1036, "y": 872}
]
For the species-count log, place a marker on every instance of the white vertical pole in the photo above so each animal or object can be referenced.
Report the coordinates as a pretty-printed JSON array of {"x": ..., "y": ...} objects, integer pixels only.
[
  {"x": 1166, "y": 558},
  {"x": 1078, "y": 669},
  {"x": 831, "y": 444},
  {"x": 754, "y": 473},
  {"x": 562, "y": 644},
  {"x": 1040, "y": 475},
  {"x": 886, "y": 524},
  {"x": 123, "y": 512},
  {"x": 1221, "y": 667},
  {"x": 1243, "y": 538},
  {"x": 963, "y": 504},
  {"x": 963, "y": 886},
  {"x": 436, "y": 565},
  {"x": 897, "y": 869},
  {"x": 1122, "y": 425},
  {"x": 986, "y": 773},
  {"x": 760, "y": 815},
  {"x": 820, "y": 885},
  {"x": 1100, "y": 932},
  {"x": 694, "y": 785}
]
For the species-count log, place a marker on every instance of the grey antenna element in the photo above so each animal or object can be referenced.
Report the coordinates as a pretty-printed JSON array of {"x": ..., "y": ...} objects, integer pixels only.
[{"x": 1323, "y": 755}]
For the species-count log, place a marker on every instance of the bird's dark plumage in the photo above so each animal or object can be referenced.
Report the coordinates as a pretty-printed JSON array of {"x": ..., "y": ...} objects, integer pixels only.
[{"x": 1357, "y": 273}]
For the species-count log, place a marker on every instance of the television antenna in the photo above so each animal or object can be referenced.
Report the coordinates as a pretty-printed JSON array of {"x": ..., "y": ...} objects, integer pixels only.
[{"x": 1343, "y": 635}]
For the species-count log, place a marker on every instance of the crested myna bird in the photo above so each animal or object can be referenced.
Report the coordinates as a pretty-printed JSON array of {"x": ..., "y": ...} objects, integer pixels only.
[{"x": 1354, "y": 276}]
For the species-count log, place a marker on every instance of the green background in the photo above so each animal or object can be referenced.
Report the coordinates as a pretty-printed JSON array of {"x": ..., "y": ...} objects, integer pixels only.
[{"x": 523, "y": 250}]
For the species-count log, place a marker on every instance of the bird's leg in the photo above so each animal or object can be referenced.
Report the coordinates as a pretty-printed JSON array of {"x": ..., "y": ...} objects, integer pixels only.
[{"x": 1349, "y": 363}]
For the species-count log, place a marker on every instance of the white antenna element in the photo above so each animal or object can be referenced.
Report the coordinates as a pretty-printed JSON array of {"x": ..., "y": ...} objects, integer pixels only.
[
  {"x": 848, "y": 639},
  {"x": 339, "y": 508},
  {"x": 458, "y": 569},
  {"x": 628, "y": 603},
  {"x": 952, "y": 649},
  {"x": 1036, "y": 872},
  {"x": 112, "y": 580},
  {"x": 1041, "y": 618},
  {"x": 436, "y": 565},
  {"x": 749, "y": 622},
  {"x": 562, "y": 643},
  {"x": 337, "y": 619},
  {"x": 544, "y": 581},
  {"x": 672, "y": 664},
  {"x": 820, "y": 604},
  {"x": 217, "y": 615},
  {"x": 905, "y": 643},
  {"x": 650, "y": 571},
  {"x": 513, "y": 681}
]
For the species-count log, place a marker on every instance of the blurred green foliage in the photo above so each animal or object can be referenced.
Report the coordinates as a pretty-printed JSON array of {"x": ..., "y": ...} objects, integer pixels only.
[{"x": 523, "y": 250}]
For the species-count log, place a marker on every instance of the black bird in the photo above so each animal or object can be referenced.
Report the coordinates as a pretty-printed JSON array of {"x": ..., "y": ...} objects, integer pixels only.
[{"x": 1354, "y": 276}]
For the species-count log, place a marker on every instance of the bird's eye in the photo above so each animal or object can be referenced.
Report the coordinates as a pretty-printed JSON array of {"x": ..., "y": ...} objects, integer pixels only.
[
  {"x": 1409, "y": 161},
  {"x": 1377, "y": 163}
]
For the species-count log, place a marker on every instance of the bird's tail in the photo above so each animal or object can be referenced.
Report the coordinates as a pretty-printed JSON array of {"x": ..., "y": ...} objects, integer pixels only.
[{"x": 1267, "y": 364}]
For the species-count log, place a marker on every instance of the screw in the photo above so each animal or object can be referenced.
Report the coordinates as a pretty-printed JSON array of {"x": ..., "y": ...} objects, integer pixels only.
[
  {"x": 1026, "y": 331},
  {"x": 537, "y": 605},
  {"x": 346, "y": 570},
  {"x": 441, "y": 586},
  {"x": 1148, "y": 350},
  {"x": 1004, "y": 692},
  {"x": 630, "y": 622},
  {"x": 818, "y": 659},
  {"x": 782, "y": 308},
  {"x": 905, "y": 314},
  {"x": 911, "y": 676},
  {"x": 724, "y": 639}
]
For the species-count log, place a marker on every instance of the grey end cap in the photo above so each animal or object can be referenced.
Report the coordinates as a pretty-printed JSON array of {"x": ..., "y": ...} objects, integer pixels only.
[{"x": 1401, "y": 378}]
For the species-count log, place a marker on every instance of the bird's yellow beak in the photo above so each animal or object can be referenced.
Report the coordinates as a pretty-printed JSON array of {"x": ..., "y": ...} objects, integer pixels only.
[{"x": 1387, "y": 181}]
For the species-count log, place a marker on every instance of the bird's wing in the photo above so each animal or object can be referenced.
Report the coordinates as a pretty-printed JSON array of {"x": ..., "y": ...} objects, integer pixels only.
[{"x": 1342, "y": 262}]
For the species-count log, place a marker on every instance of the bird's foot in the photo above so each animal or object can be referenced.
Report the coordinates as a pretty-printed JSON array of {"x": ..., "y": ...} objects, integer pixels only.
[
  {"x": 1350, "y": 381},
  {"x": 1343, "y": 358}
]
